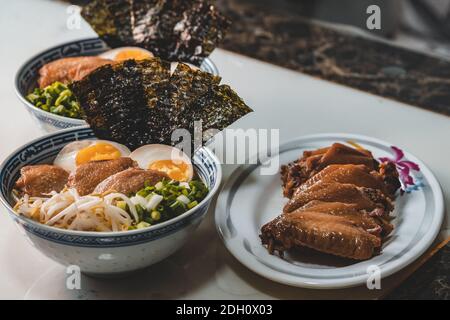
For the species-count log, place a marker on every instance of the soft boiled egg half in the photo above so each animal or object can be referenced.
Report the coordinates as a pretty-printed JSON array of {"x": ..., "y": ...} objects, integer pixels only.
[
  {"x": 79, "y": 152},
  {"x": 172, "y": 161},
  {"x": 125, "y": 53}
]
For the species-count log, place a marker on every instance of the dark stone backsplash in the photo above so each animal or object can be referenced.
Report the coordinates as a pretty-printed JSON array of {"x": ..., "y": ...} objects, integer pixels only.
[{"x": 274, "y": 32}]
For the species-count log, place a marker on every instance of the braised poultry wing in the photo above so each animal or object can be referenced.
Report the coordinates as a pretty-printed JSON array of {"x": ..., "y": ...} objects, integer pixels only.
[
  {"x": 339, "y": 203},
  {"x": 320, "y": 231},
  {"x": 312, "y": 162}
]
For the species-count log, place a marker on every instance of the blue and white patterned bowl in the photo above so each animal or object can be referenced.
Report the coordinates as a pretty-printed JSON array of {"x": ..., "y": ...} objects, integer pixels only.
[
  {"x": 105, "y": 253},
  {"x": 26, "y": 79}
]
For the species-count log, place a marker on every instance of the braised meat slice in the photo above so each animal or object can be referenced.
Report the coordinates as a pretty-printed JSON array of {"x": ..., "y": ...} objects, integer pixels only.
[
  {"x": 358, "y": 175},
  {"x": 312, "y": 162},
  {"x": 364, "y": 198},
  {"x": 88, "y": 175},
  {"x": 130, "y": 181},
  {"x": 388, "y": 172},
  {"x": 339, "y": 203},
  {"x": 324, "y": 232},
  {"x": 369, "y": 221},
  {"x": 39, "y": 180},
  {"x": 67, "y": 70}
]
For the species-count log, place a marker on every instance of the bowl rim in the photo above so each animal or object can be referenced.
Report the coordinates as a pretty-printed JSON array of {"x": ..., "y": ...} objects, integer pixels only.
[
  {"x": 72, "y": 121},
  {"x": 107, "y": 234}
]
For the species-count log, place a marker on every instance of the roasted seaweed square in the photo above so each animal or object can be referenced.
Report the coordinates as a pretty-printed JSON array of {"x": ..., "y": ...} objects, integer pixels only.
[
  {"x": 155, "y": 79},
  {"x": 187, "y": 85},
  {"x": 121, "y": 12},
  {"x": 118, "y": 99},
  {"x": 86, "y": 91},
  {"x": 217, "y": 109},
  {"x": 199, "y": 32},
  {"x": 174, "y": 30},
  {"x": 145, "y": 21},
  {"x": 97, "y": 14},
  {"x": 140, "y": 102}
]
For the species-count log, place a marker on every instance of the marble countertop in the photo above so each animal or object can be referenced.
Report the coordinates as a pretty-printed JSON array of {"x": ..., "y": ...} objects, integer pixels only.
[{"x": 276, "y": 32}]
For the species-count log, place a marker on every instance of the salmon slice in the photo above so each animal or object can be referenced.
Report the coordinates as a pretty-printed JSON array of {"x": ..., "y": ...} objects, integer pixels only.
[{"x": 67, "y": 70}]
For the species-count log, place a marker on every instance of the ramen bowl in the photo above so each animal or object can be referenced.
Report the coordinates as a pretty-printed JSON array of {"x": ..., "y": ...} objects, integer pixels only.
[
  {"x": 27, "y": 75},
  {"x": 104, "y": 253}
]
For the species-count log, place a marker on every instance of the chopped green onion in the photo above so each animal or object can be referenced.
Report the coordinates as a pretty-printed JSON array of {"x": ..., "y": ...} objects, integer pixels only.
[
  {"x": 167, "y": 199},
  {"x": 184, "y": 199},
  {"x": 122, "y": 205},
  {"x": 156, "y": 215},
  {"x": 192, "y": 204},
  {"x": 142, "y": 225},
  {"x": 56, "y": 98}
]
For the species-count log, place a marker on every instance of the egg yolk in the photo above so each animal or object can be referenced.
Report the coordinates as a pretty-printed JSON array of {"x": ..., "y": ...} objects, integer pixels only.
[
  {"x": 175, "y": 170},
  {"x": 132, "y": 54},
  {"x": 97, "y": 152}
]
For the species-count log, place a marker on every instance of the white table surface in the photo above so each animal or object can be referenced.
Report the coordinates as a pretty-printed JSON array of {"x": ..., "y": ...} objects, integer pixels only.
[{"x": 203, "y": 269}]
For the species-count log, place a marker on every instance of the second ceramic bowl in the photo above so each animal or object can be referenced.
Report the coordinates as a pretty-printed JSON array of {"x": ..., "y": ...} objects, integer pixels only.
[{"x": 26, "y": 79}]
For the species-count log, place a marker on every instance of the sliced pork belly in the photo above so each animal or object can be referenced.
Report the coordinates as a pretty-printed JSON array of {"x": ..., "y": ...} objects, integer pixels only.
[
  {"x": 130, "y": 181},
  {"x": 324, "y": 232},
  {"x": 88, "y": 175},
  {"x": 364, "y": 198},
  {"x": 41, "y": 179}
]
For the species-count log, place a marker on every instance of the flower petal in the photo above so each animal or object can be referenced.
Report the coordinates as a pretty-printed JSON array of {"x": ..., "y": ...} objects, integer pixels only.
[
  {"x": 412, "y": 165},
  {"x": 398, "y": 153},
  {"x": 408, "y": 180}
]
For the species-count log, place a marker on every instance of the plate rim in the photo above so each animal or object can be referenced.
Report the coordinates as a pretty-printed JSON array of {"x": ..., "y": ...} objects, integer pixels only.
[{"x": 302, "y": 282}]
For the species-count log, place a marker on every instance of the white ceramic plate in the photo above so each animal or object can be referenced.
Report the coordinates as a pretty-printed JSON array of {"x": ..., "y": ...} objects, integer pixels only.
[{"x": 249, "y": 200}]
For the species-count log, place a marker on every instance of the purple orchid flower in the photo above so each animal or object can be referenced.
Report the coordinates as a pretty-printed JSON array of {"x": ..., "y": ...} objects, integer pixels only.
[{"x": 403, "y": 166}]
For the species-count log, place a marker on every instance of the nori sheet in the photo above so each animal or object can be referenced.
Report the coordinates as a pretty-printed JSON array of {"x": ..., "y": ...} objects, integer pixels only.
[
  {"x": 139, "y": 102},
  {"x": 98, "y": 15},
  {"x": 174, "y": 30}
]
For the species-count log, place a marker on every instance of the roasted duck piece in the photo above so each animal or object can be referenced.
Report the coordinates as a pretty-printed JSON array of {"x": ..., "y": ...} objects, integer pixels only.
[
  {"x": 39, "y": 180},
  {"x": 66, "y": 70},
  {"x": 358, "y": 175},
  {"x": 371, "y": 221},
  {"x": 389, "y": 174},
  {"x": 324, "y": 232},
  {"x": 312, "y": 162},
  {"x": 364, "y": 198},
  {"x": 339, "y": 203},
  {"x": 130, "y": 181},
  {"x": 88, "y": 175}
]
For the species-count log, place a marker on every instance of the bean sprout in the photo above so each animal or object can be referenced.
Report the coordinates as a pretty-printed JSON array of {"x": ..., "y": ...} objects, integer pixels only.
[{"x": 69, "y": 210}]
